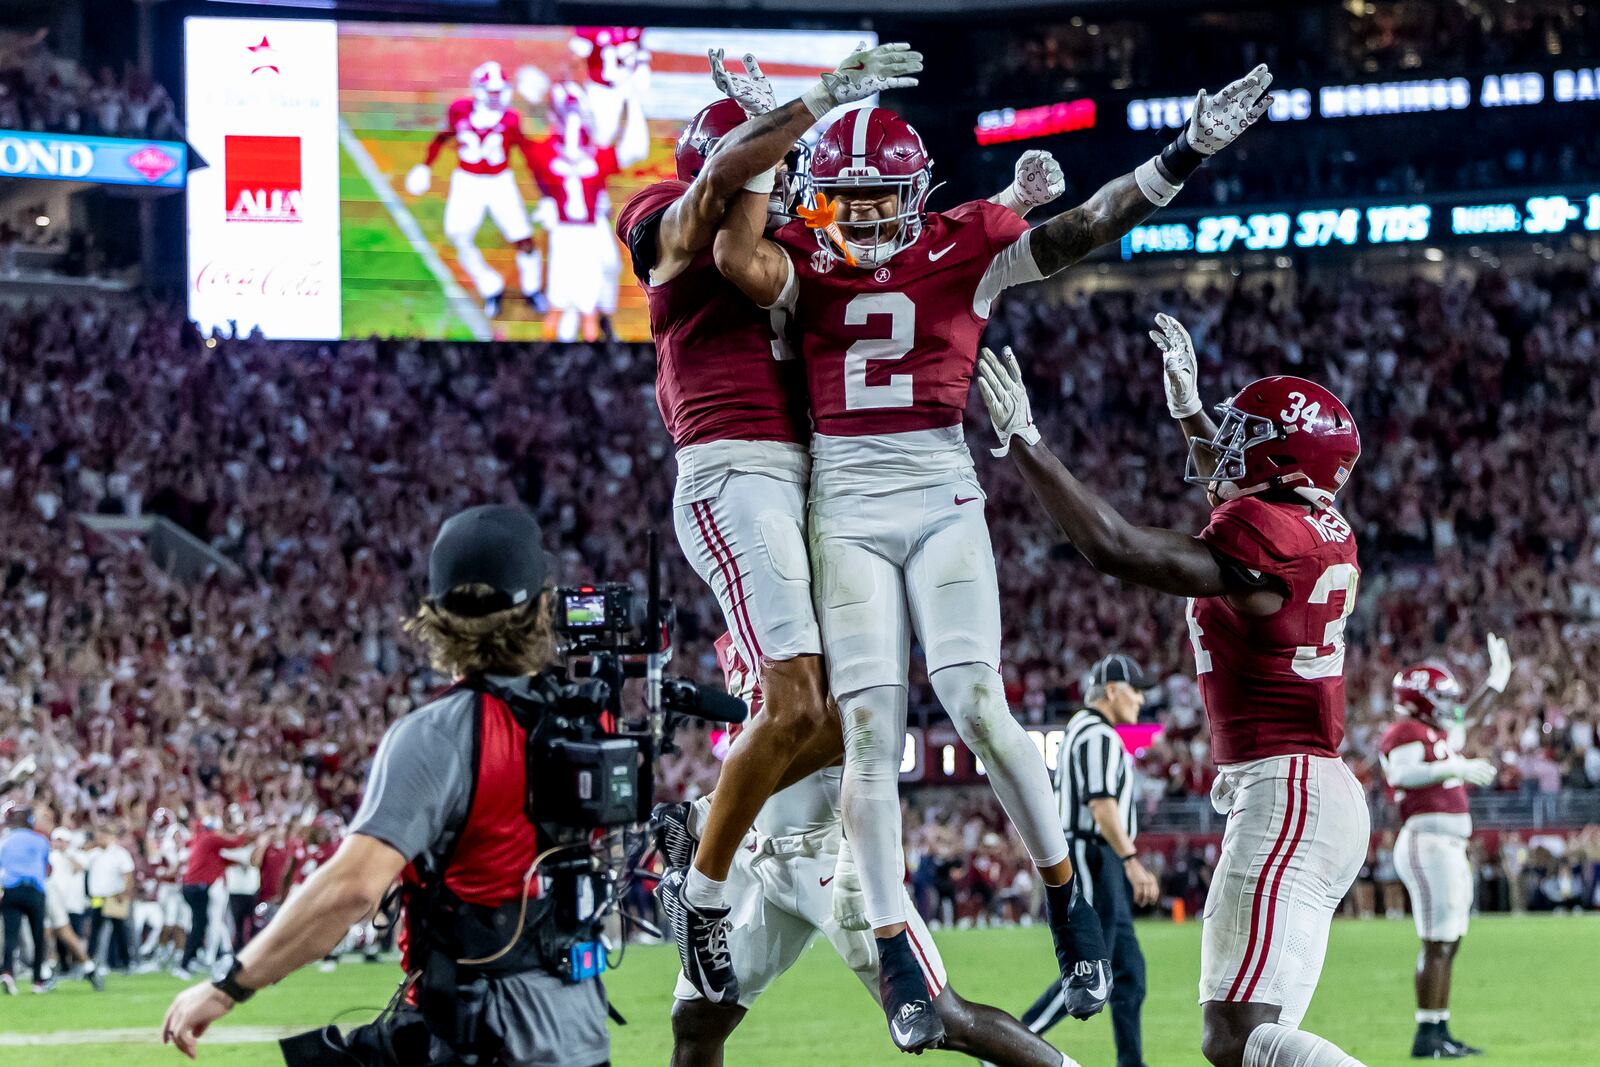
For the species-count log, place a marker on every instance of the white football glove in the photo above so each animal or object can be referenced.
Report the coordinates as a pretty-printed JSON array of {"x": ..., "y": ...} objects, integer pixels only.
[
  {"x": 849, "y": 905},
  {"x": 750, "y": 90},
  {"x": 1499, "y": 664},
  {"x": 1219, "y": 120},
  {"x": 1037, "y": 181},
  {"x": 418, "y": 178},
  {"x": 21, "y": 769},
  {"x": 1478, "y": 771},
  {"x": 865, "y": 72},
  {"x": 1000, "y": 383},
  {"x": 1178, "y": 366}
]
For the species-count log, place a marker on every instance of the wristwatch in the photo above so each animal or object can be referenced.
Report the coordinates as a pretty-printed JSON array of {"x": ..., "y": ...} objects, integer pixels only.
[{"x": 225, "y": 976}]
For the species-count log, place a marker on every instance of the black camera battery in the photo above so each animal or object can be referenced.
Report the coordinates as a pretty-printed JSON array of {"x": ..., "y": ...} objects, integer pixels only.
[{"x": 591, "y": 783}]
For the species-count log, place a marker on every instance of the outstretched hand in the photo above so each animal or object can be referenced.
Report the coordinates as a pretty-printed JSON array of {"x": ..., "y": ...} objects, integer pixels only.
[
  {"x": 1219, "y": 120},
  {"x": 750, "y": 90},
  {"x": 1179, "y": 368}
]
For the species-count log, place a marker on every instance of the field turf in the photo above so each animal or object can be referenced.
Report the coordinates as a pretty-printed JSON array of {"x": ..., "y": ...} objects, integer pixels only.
[{"x": 1524, "y": 990}]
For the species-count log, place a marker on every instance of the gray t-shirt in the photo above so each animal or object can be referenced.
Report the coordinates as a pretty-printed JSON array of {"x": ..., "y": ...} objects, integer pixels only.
[{"x": 416, "y": 801}]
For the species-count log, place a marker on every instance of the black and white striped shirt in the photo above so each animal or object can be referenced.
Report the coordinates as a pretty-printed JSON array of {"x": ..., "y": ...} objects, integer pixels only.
[{"x": 1093, "y": 763}]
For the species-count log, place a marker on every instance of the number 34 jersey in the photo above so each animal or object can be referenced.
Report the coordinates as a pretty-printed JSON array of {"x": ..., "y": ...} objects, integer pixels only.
[
  {"x": 890, "y": 349},
  {"x": 1274, "y": 685}
]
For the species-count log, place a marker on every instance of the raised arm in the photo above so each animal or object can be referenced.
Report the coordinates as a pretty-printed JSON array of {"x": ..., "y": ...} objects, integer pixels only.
[
  {"x": 1164, "y": 560},
  {"x": 1494, "y": 685},
  {"x": 1123, "y": 203},
  {"x": 1036, "y": 180},
  {"x": 748, "y": 158}
]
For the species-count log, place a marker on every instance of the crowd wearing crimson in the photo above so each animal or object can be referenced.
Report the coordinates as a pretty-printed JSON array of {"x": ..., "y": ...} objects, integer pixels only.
[{"x": 315, "y": 472}]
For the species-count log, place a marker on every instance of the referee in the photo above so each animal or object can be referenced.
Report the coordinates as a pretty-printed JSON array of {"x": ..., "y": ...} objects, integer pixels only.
[{"x": 1094, "y": 781}]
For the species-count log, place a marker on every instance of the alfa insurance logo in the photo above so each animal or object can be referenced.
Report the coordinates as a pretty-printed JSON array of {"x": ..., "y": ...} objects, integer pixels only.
[{"x": 261, "y": 178}]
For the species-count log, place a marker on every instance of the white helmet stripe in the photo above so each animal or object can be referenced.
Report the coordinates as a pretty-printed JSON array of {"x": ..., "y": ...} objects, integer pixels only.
[{"x": 858, "y": 135}]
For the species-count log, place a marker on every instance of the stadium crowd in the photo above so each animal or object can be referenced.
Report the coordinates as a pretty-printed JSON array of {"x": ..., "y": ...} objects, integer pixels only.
[
  {"x": 44, "y": 91},
  {"x": 314, "y": 473}
]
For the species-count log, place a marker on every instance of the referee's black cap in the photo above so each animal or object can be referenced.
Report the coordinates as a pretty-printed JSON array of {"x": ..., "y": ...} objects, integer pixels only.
[
  {"x": 1116, "y": 668},
  {"x": 497, "y": 545}
]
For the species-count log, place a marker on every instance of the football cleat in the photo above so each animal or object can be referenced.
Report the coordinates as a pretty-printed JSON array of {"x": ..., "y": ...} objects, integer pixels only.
[
  {"x": 674, "y": 840},
  {"x": 702, "y": 938},
  {"x": 914, "y": 1023},
  {"x": 1470, "y": 1050},
  {"x": 1433, "y": 1042},
  {"x": 538, "y": 302},
  {"x": 1080, "y": 953},
  {"x": 491, "y": 306}
]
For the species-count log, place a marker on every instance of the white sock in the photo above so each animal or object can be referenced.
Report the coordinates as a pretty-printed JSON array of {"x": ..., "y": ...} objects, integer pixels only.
[
  {"x": 567, "y": 325},
  {"x": 874, "y": 733},
  {"x": 484, "y": 278},
  {"x": 699, "y": 811},
  {"x": 1433, "y": 1016},
  {"x": 975, "y": 699},
  {"x": 1273, "y": 1045},
  {"x": 530, "y": 272},
  {"x": 703, "y": 892}
]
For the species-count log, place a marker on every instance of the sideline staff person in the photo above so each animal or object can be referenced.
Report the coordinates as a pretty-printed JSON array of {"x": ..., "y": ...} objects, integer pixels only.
[
  {"x": 1094, "y": 782},
  {"x": 446, "y": 804}
]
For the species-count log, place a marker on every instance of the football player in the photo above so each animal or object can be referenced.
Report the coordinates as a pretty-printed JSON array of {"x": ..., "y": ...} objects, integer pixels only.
[
  {"x": 1270, "y": 581},
  {"x": 1422, "y": 762},
  {"x": 890, "y": 300},
  {"x": 167, "y": 847},
  {"x": 484, "y": 128},
  {"x": 795, "y": 881},
  {"x": 571, "y": 169},
  {"x": 728, "y": 399}
]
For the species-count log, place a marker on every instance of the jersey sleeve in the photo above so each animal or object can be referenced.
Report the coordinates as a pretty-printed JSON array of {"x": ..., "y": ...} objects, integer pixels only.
[
  {"x": 420, "y": 783},
  {"x": 606, "y": 160},
  {"x": 1401, "y": 733},
  {"x": 639, "y": 219},
  {"x": 1005, "y": 251},
  {"x": 1252, "y": 533}
]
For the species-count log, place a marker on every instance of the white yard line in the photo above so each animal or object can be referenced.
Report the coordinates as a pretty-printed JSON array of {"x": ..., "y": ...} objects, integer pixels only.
[
  {"x": 462, "y": 304},
  {"x": 147, "y": 1035}
]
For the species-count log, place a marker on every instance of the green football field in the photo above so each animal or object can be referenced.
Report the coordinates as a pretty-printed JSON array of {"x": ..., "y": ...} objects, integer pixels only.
[{"x": 1525, "y": 990}]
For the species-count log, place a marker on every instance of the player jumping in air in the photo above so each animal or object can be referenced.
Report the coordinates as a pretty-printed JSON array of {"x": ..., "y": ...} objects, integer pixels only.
[
  {"x": 729, "y": 402},
  {"x": 1270, "y": 581},
  {"x": 889, "y": 301},
  {"x": 484, "y": 128},
  {"x": 1422, "y": 761},
  {"x": 793, "y": 882}
]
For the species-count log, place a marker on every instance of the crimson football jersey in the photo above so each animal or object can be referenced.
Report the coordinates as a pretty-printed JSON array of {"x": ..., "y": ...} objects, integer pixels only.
[
  {"x": 1448, "y": 797},
  {"x": 722, "y": 373},
  {"x": 484, "y": 149},
  {"x": 572, "y": 183},
  {"x": 1274, "y": 685},
  {"x": 890, "y": 349}
]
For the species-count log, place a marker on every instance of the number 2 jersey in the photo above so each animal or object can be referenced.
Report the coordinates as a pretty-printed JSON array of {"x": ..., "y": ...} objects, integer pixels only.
[
  {"x": 890, "y": 349},
  {"x": 1274, "y": 685}
]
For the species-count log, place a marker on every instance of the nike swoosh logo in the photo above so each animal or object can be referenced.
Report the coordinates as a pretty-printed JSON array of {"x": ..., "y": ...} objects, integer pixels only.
[
  {"x": 964, "y": 500},
  {"x": 934, "y": 257},
  {"x": 1099, "y": 991},
  {"x": 825, "y": 881},
  {"x": 901, "y": 1037}
]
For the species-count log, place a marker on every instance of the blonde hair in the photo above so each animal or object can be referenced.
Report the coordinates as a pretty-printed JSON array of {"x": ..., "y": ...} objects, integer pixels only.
[{"x": 516, "y": 641}]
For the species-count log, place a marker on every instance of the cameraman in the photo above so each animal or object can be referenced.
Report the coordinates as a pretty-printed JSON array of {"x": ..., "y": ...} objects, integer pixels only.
[{"x": 445, "y": 808}]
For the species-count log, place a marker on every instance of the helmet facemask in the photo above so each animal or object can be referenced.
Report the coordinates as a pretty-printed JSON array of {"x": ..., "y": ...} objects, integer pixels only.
[
  {"x": 865, "y": 238},
  {"x": 1237, "y": 432}
]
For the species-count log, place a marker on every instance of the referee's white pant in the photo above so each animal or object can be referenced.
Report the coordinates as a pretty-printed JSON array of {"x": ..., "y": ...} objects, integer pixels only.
[{"x": 1105, "y": 885}]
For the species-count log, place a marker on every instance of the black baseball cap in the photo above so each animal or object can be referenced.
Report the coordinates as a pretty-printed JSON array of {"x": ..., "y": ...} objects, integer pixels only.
[
  {"x": 497, "y": 545},
  {"x": 1116, "y": 668}
]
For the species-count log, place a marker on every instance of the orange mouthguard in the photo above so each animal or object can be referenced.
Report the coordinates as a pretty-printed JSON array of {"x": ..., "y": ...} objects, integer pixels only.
[{"x": 821, "y": 218}]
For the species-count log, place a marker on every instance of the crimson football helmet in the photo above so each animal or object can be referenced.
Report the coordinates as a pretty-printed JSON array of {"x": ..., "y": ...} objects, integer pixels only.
[
  {"x": 872, "y": 148},
  {"x": 490, "y": 88},
  {"x": 1427, "y": 691},
  {"x": 1278, "y": 432},
  {"x": 699, "y": 138}
]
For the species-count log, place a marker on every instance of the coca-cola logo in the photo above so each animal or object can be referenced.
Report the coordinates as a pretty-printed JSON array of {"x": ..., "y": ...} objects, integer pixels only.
[
  {"x": 288, "y": 279},
  {"x": 152, "y": 162}
]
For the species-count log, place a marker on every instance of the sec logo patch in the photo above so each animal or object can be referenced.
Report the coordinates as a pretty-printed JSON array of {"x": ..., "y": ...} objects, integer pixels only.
[{"x": 821, "y": 261}]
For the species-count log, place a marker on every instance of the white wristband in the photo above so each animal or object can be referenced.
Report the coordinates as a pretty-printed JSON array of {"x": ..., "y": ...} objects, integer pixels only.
[
  {"x": 1029, "y": 435},
  {"x": 1191, "y": 408},
  {"x": 818, "y": 100},
  {"x": 1153, "y": 184},
  {"x": 763, "y": 182},
  {"x": 1008, "y": 198}
]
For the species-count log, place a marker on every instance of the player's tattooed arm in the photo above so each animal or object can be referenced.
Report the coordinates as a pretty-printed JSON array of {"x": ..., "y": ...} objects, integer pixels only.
[
  {"x": 1115, "y": 208},
  {"x": 745, "y": 257}
]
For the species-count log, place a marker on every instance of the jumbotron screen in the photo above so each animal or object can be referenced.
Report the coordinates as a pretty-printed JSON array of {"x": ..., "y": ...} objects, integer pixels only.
[{"x": 433, "y": 181}]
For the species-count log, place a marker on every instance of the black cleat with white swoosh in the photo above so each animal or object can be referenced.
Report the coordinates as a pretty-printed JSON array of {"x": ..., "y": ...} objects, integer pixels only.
[
  {"x": 702, "y": 938},
  {"x": 914, "y": 1023},
  {"x": 674, "y": 840},
  {"x": 1080, "y": 951}
]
